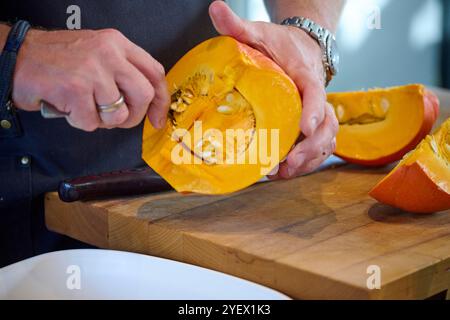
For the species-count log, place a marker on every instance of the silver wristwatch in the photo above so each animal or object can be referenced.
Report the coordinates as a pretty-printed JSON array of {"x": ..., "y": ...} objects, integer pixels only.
[{"x": 326, "y": 40}]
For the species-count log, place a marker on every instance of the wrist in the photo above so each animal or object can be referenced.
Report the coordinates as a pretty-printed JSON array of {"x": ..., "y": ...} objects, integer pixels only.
[
  {"x": 326, "y": 13},
  {"x": 325, "y": 40},
  {"x": 4, "y": 31},
  {"x": 314, "y": 52},
  {"x": 28, "y": 43}
]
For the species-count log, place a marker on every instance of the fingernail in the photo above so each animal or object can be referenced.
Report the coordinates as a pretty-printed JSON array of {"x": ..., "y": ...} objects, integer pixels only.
[
  {"x": 314, "y": 123},
  {"x": 161, "y": 123}
]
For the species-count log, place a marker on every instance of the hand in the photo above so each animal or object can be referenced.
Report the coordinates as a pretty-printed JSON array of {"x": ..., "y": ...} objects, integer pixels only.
[
  {"x": 77, "y": 70},
  {"x": 301, "y": 58}
]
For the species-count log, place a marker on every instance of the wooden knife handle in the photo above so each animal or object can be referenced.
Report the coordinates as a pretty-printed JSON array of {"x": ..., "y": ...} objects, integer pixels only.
[{"x": 112, "y": 184}]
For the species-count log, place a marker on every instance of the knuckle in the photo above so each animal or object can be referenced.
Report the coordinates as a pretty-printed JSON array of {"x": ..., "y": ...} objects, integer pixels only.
[
  {"x": 333, "y": 146},
  {"x": 160, "y": 71},
  {"x": 130, "y": 124},
  {"x": 335, "y": 128},
  {"x": 120, "y": 116},
  {"x": 107, "y": 41},
  {"x": 90, "y": 62},
  {"x": 89, "y": 124},
  {"x": 111, "y": 34},
  {"x": 146, "y": 96},
  {"x": 64, "y": 89},
  {"x": 76, "y": 86},
  {"x": 335, "y": 125},
  {"x": 91, "y": 66},
  {"x": 83, "y": 124},
  {"x": 312, "y": 165},
  {"x": 105, "y": 48},
  {"x": 87, "y": 121},
  {"x": 89, "y": 127}
]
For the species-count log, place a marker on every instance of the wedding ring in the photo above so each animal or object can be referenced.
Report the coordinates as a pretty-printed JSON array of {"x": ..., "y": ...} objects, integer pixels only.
[
  {"x": 49, "y": 111},
  {"x": 105, "y": 108}
]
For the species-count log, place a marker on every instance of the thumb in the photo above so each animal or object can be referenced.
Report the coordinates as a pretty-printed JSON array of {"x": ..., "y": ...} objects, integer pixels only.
[{"x": 228, "y": 23}]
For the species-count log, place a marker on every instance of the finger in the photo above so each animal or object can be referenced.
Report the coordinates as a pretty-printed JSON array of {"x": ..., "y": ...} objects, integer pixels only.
[
  {"x": 313, "y": 100},
  {"x": 310, "y": 153},
  {"x": 106, "y": 93},
  {"x": 138, "y": 94},
  {"x": 28, "y": 93},
  {"x": 319, "y": 145},
  {"x": 74, "y": 96},
  {"x": 155, "y": 74},
  {"x": 83, "y": 114},
  {"x": 228, "y": 23}
]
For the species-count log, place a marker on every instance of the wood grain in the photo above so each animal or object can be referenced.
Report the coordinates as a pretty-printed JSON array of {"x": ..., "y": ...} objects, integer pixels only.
[{"x": 311, "y": 237}]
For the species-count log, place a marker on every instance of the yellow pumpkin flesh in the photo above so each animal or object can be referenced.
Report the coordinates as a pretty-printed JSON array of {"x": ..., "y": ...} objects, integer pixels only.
[{"x": 220, "y": 86}]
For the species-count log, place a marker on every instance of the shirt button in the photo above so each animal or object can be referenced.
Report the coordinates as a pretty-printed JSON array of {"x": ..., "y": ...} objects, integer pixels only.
[
  {"x": 25, "y": 161},
  {"x": 5, "y": 124}
]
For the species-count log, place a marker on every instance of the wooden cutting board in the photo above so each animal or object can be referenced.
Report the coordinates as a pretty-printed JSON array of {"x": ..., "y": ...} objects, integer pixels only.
[{"x": 318, "y": 236}]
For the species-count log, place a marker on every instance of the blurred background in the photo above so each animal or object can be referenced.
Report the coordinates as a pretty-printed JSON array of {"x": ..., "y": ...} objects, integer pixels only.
[{"x": 385, "y": 42}]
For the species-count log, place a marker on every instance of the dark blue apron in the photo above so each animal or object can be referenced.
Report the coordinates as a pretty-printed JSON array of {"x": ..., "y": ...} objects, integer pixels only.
[{"x": 56, "y": 151}]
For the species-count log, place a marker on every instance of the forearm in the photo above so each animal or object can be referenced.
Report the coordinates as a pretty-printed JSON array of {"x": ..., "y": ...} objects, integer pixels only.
[{"x": 324, "y": 12}]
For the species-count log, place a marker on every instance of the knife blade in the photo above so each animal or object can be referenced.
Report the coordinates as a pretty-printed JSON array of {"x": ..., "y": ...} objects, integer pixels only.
[
  {"x": 113, "y": 184},
  {"x": 49, "y": 111}
]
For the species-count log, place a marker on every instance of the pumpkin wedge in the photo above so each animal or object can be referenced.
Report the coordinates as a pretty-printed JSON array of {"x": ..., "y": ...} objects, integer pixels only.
[
  {"x": 421, "y": 181},
  {"x": 380, "y": 126},
  {"x": 229, "y": 103}
]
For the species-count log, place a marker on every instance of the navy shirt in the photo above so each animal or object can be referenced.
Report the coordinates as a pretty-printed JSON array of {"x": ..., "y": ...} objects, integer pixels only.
[{"x": 56, "y": 151}]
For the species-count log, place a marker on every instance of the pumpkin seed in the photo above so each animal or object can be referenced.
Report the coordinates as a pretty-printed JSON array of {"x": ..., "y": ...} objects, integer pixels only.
[
  {"x": 187, "y": 100},
  {"x": 340, "y": 111},
  {"x": 434, "y": 146},
  {"x": 204, "y": 90},
  {"x": 224, "y": 109},
  {"x": 385, "y": 105}
]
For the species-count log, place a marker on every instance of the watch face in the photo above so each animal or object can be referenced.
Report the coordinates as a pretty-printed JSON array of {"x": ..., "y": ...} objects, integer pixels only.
[{"x": 333, "y": 55}]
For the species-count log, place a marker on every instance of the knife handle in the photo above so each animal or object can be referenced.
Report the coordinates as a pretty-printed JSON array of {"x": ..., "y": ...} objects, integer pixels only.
[{"x": 113, "y": 184}]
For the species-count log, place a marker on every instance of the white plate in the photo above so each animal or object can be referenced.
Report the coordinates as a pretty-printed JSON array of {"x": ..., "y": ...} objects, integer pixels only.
[{"x": 106, "y": 274}]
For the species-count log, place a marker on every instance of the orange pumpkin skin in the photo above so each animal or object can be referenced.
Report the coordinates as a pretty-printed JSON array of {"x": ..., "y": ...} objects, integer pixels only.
[
  {"x": 399, "y": 191},
  {"x": 421, "y": 181},
  {"x": 430, "y": 107}
]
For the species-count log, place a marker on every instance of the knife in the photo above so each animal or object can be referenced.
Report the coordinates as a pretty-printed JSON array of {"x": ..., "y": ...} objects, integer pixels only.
[{"x": 113, "y": 184}]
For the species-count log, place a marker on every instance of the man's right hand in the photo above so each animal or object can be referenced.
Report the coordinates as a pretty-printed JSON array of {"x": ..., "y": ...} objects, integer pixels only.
[{"x": 77, "y": 70}]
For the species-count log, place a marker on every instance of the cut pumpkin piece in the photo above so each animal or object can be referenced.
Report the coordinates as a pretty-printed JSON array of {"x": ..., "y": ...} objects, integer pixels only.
[
  {"x": 421, "y": 181},
  {"x": 380, "y": 126},
  {"x": 234, "y": 115}
]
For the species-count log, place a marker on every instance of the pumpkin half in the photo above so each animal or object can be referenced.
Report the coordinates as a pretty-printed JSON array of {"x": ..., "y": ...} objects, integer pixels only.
[
  {"x": 380, "y": 126},
  {"x": 421, "y": 181},
  {"x": 229, "y": 102}
]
